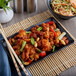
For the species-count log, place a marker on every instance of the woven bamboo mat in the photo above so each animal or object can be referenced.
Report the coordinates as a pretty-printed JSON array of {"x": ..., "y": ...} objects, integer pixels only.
[{"x": 52, "y": 65}]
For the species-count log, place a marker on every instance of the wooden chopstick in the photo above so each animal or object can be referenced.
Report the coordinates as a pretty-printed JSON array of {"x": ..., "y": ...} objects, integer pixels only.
[
  {"x": 20, "y": 63},
  {"x": 16, "y": 66}
]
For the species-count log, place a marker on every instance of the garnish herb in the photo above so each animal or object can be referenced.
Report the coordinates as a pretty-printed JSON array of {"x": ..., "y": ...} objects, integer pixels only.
[
  {"x": 28, "y": 32},
  {"x": 32, "y": 41},
  {"x": 23, "y": 45},
  {"x": 53, "y": 49},
  {"x": 40, "y": 28},
  {"x": 56, "y": 29}
]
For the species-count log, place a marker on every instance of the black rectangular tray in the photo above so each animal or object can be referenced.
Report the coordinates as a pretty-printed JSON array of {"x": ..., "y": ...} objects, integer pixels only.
[{"x": 50, "y": 52}]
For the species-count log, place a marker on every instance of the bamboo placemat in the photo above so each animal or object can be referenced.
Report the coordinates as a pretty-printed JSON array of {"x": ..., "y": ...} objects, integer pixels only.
[{"x": 52, "y": 65}]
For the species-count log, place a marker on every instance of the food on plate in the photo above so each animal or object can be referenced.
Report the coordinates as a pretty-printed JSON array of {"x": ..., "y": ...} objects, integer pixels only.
[
  {"x": 36, "y": 43},
  {"x": 64, "y": 7}
]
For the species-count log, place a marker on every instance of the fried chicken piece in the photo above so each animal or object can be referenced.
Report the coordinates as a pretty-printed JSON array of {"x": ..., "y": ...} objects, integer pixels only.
[
  {"x": 65, "y": 40},
  {"x": 23, "y": 55},
  {"x": 17, "y": 52},
  {"x": 58, "y": 32},
  {"x": 16, "y": 47},
  {"x": 36, "y": 57},
  {"x": 46, "y": 46},
  {"x": 22, "y": 34},
  {"x": 51, "y": 35}
]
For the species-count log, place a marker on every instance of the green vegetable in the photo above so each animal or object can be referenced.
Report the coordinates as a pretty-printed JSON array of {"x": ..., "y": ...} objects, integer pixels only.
[
  {"x": 32, "y": 41},
  {"x": 28, "y": 32},
  {"x": 69, "y": 6},
  {"x": 23, "y": 45},
  {"x": 66, "y": 9},
  {"x": 62, "y": 35},
  {"x": 53, "y": 49},
  {"x": 3, "y": 4},
  {"x": 66, "y": 2},
  {"x": 56, "y": 29},
  {"x": 57, "y": 1},
  {"x": 73, "y": 9},
  {"x": 40, "y": 28},
  {"x": 38, "y": 50}
]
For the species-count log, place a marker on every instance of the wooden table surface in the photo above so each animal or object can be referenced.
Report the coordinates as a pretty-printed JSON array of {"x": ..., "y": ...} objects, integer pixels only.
[{"x": 69, "y": 24}]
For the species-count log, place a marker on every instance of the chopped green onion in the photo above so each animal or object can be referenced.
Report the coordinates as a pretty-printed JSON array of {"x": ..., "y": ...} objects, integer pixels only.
[
  {"x": 40, "y": 28},
  {"x": 32, "y": 41},
  {"x": 38, "y": 50},
  {"x": 73, "y": 9},
  {"x": 66, "y": 2},
  {"x": 28, "y": 32},
  {"x": 66, "y": 9},
  {"x": 53, "y": 49},
  {"x": 62, "y": 35},
  {"x": 56, "y": 29},
  {"x": 23, "y": 45}
]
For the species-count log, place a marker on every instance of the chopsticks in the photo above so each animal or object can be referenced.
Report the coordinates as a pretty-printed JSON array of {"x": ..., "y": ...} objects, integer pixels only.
[
  {"x": 16, "y": 66},
  {"x": 12, "y": 51}
]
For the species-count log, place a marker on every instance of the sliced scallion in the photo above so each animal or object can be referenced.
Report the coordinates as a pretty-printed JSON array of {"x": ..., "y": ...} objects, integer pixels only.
[
  {"x": 23, "y": 45},
  {"x": 53, "y": 49},
  {"x": 56, "y": 29},
  {"x": 40, "y": 28},
  {"x": 28, "y": 32},
  {"x": 73, "y": 9},
  {"x": 62, "y": 35},
  {"x": 32, "y": 41},
  {"x": 38, "y": 50}
]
